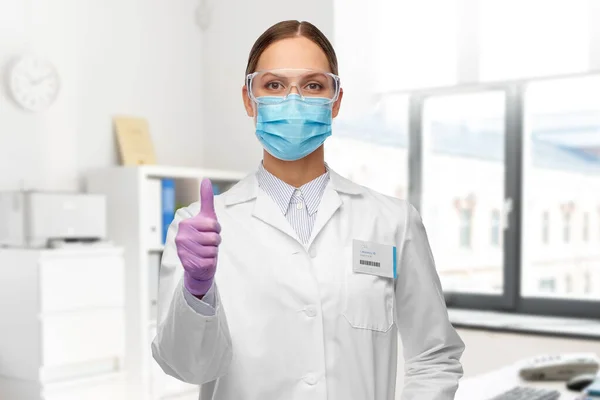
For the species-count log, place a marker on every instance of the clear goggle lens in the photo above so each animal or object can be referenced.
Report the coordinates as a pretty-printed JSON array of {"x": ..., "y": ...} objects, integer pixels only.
[{"x": 274, "y": 85}]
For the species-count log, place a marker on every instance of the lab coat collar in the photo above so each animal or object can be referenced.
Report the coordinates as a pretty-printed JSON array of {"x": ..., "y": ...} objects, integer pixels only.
[{"x": 247, "y": 189}]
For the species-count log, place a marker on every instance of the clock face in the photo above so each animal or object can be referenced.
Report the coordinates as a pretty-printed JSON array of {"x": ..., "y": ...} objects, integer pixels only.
[{"x": 34, "y": 83}]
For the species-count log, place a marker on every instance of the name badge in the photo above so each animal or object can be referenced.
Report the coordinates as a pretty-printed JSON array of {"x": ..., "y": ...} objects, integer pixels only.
[{"x": 374, "y": 258}]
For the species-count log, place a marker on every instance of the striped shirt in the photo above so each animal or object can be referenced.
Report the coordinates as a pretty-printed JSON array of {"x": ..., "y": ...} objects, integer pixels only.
[{"x": 299, "y": 205}]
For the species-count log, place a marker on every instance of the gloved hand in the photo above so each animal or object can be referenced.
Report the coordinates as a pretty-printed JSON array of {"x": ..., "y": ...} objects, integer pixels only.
[{"x": 197, "y": 243}]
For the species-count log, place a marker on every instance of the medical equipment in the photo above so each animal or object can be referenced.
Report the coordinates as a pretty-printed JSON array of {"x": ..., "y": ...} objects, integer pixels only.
[
  {"x": 198, "y": 242},
  {"x": 294, "y": 128},
  {"x": 276, "y": 85},
  {"x": 43, "y": 219}
]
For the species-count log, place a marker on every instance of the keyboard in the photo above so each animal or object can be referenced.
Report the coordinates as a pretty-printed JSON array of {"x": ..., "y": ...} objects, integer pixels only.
[{"x": 526, "y": 393}]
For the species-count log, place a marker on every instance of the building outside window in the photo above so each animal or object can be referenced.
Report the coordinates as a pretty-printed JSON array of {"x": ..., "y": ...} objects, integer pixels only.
[
  {"x": 586, "y": 227},
  {"x": 547, "y": 285},
  {"x": 568, "y": 284},
  {"x": 466, "y": 227},
  {"x": 598, "y": 223},
  {"x": 546, "y": 227},
  {"x": 587, "y": 283},
  {"x": 567, "y": 210}
]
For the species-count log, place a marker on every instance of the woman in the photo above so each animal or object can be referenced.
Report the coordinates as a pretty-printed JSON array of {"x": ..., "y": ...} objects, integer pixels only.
[{"x": 296, "y": 282}]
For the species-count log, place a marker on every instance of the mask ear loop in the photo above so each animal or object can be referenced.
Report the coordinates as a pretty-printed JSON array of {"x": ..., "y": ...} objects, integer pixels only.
[{"x": 255, "y": 109}]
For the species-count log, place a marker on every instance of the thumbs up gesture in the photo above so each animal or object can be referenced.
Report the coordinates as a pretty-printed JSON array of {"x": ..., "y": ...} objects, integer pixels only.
[{"x": 197, "y": 244}]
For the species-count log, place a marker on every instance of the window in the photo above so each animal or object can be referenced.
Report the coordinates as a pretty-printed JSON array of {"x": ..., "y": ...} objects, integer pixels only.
[
  {"x": 545, "y": 227},
  {"x": 495, "y": 233},
  {"x": 371, "y": 147},
  {"x": 561, "y": 171},
  {"x": 466, "y": 221},
  {"x": 587, "y": 288},
  {"x": 426, "y": 59},
  {"x": 471, "y": 145},
  {"x": 586, "y": 227},
  {"x": 463, "y": 169},
  {"x": 568, "y": 284},
  {"x": 528, "y": 148},
  {"x": 547, "y": 285},
  {"x": 534, "y": 45}
]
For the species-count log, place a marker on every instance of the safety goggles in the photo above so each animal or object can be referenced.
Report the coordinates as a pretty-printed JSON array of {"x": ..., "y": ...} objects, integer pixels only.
[{"x": 274, "y": 85}]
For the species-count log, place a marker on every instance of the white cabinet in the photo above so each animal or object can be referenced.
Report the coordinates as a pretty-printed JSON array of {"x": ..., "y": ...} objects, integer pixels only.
[
  {"x": 105, "y": 387},
  {"x": 133, "y": 209},
  {"x": 63, "y": 314},
  {"x": 76, "y": 283}
]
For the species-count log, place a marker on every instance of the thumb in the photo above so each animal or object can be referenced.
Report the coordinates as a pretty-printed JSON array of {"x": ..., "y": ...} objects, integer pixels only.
[{"x": 207, "y": 199}]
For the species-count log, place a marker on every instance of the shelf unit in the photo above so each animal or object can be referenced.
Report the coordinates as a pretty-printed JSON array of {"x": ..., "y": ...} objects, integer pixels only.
[{"x": 128, "y": 208}]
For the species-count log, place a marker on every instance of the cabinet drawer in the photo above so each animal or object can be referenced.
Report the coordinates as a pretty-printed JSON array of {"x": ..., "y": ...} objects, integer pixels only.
[
  {"x": 82, "y": 337},
  {"x": 72, "y": 283}
]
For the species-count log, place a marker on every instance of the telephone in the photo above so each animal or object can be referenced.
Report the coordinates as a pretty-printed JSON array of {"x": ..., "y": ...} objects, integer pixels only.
[{"x": 559, "y": 367}]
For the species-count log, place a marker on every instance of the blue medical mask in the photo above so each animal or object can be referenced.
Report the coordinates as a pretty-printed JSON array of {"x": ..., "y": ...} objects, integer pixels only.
[{"x": 293, "y": 128}]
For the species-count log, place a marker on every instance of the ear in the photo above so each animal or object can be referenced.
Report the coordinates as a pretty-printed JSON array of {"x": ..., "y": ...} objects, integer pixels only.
[
  {"x": 336, "y": 106},
  {"x": 248, "y": 103}
]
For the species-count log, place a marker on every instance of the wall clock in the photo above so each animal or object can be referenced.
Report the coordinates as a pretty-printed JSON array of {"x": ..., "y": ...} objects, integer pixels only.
[{"x": 33, "y": 83}]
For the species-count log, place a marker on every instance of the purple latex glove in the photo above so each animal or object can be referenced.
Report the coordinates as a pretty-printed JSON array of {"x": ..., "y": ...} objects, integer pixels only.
[{"x": 197, "y": 243}]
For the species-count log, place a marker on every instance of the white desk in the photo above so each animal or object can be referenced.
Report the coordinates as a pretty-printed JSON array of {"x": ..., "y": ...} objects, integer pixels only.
[{"x": 488, "y": 385}]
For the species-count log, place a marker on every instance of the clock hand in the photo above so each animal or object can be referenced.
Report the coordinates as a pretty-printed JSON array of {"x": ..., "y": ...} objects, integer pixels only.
[{"x": 40, "y": 80}]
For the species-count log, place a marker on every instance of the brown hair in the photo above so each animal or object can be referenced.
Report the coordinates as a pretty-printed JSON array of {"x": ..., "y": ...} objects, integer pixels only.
[{"x": 290, "y": 29}]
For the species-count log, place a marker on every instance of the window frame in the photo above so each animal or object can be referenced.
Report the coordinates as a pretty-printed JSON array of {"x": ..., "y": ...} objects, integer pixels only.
[{"x": 510, "y": 300}]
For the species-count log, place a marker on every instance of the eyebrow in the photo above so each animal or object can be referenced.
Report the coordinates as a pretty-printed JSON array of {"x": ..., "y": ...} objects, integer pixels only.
[
  {"x": 268, "y": 74},
  {"x": 307, "y": 76}
]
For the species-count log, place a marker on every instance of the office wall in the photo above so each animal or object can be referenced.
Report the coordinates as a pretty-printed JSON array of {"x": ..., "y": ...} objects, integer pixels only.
[
  {"x": 234, "y": 26},
  {"x": 139, "y": 57}
]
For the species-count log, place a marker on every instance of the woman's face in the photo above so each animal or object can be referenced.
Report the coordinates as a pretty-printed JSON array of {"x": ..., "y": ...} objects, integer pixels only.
[{"x": 296, "y": 53}]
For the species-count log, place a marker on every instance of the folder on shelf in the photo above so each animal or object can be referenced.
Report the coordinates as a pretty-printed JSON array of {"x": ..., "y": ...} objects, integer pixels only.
[
  {"x": 167, "y": 206},
  {"x": 133, "y": 138}
]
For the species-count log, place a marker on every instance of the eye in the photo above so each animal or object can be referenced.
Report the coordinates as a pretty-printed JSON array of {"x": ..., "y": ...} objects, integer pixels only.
[
  {"x": 274, "y": 86},
  {"x": 314, "y": 86}
]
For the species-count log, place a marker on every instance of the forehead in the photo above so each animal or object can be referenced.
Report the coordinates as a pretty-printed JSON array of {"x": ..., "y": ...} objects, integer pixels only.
[{"x": 298, "y": 52}]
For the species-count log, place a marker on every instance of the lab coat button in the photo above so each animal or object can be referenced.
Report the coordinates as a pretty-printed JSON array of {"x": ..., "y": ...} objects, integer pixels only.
[
  {"x": 310, "y": 311},
  {"x": 312, "y": 253},
  {"x": 310, "y": 379}
]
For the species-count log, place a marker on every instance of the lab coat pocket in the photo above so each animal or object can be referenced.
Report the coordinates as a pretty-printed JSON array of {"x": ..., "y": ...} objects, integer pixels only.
[{"x": 368, "y": 299}]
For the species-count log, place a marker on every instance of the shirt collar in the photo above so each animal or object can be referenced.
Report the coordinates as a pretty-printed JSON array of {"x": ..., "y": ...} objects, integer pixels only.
[
  {"x": 282, "y": 192},
  {"x": 247, "y": 188}
]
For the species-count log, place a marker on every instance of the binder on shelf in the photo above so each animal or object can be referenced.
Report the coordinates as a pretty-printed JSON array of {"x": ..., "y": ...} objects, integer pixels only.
[{"x": 168, "y": 206}]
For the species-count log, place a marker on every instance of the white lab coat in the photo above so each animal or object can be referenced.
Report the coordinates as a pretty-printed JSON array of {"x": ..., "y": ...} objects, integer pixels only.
[{"x": 294, "y": 322}]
